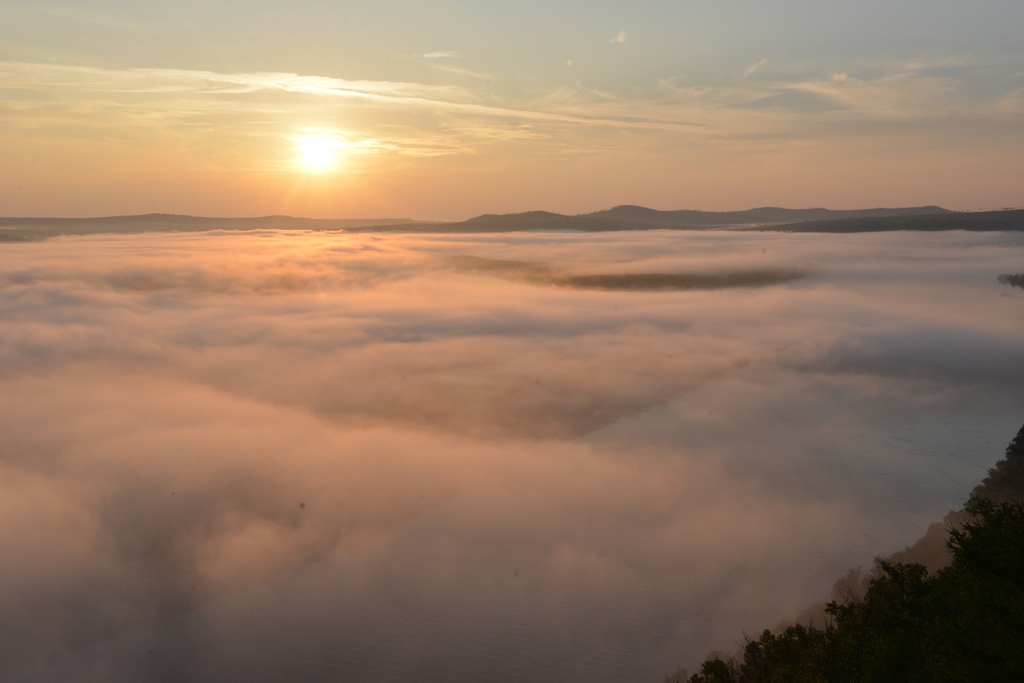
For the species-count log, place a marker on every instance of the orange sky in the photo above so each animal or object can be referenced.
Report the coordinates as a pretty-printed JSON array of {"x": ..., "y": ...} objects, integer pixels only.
[{"x": 111, "y": 109}]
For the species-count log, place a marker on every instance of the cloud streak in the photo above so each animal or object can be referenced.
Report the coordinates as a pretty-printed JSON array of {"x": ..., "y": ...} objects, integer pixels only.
[
  {"x": 203, "y": 124},
  {"x": 155, "y": 81},
  {"x": 897, "y": 94},
  {"x": 754, "y": 67}
]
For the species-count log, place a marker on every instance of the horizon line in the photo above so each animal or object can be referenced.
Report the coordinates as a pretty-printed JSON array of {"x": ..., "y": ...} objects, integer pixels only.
[{"x": 161, "y": 214}]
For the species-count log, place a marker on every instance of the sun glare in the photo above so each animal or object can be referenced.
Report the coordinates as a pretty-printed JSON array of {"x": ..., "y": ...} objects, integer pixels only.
[{"x": 317, "y": 153}]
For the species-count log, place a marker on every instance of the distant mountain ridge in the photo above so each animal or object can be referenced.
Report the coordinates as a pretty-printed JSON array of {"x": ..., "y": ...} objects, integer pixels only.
[
  {"x": 760, "y": 216},
  {"x": 29, "y": 229},
  {"x": 182, "y": 219},
  {"x": 630, "y": 217},
  {"x": 626, "y": 217},
  {"x": 1007, "y": 219}
]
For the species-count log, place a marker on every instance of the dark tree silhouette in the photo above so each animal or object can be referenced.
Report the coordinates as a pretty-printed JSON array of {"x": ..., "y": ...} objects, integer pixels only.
[
  {"x": 1005, "y": 481},
  {"x": 962, "y": 624}
]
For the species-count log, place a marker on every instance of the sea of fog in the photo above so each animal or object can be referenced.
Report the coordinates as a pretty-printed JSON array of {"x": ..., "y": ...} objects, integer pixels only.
[{"x": 559, "y": 457}]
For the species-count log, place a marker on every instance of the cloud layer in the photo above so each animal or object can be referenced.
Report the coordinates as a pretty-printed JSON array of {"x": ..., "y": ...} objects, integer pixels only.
[{"x": 260, "y": 456}]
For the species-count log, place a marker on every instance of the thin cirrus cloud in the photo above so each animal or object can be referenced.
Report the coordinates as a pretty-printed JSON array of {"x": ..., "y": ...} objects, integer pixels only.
[
  {"x": 80, "y": 81},
  {"x": 754, "y": 67},
  {"x": 900, "y": 91},
  {"x": 711, "y": 107},
  {"x": 201, "y": 121}
]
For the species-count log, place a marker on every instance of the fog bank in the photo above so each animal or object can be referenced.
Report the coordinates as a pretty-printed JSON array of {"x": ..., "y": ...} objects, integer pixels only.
[{"x": 528, "y": 456}]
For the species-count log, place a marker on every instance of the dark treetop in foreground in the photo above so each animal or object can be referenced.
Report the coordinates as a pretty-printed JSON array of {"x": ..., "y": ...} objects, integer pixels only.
[{"x": 963, "y": 623}]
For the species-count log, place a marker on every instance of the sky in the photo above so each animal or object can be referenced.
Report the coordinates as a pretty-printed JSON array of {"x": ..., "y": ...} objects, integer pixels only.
[
  {"x": 271, "y": 456},
  {"x": 450, "y": 109}
]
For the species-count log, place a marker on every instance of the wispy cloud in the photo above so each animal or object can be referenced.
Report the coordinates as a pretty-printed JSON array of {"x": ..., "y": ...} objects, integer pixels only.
[
  {"x": 619, "y": 37},
  {"x": 860, "y": 102},
  {"x": 460, "y": 71},
  {"x": 754, "y": 67},
  {"x": 441, "y": 54},
  {"x": 74, "y": 81}
]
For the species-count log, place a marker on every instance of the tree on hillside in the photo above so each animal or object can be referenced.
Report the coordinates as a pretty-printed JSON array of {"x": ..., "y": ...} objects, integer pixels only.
[{"x": 965, "y": 623}]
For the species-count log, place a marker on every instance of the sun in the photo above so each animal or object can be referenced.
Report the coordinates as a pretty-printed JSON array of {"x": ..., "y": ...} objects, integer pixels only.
[{"x": 317, "y": 153}]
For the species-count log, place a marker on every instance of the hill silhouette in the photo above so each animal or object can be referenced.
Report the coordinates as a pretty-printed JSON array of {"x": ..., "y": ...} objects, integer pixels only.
[
  {"x": 1007, "y": 219},
  {"x": 617, "y": 218},
  {"x": 27, "y": 229},
  {"x": 921, "y": 218},
  {"x": 628, "y": 217},
  {"x": 767, "y": 215}
]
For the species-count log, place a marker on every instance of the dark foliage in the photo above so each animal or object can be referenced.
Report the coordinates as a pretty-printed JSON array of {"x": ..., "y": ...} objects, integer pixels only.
[
  {"x": 1005, "y": 481},
  {"x": 963, "y": 623}
]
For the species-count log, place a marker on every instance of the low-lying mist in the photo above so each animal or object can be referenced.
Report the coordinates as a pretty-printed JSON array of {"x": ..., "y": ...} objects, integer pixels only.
[
  {"x": 545, "y": 274},
  {"x": 530, "y": 456}
]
